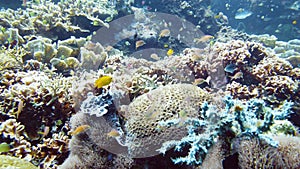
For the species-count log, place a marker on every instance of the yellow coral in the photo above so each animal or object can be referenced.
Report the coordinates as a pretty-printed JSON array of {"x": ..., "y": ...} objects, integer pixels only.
[{"x": 15, "y": 163}]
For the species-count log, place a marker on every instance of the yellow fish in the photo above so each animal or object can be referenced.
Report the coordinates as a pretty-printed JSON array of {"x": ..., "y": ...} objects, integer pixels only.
[
  {"x": 170, "y": 52},
  {"x": 103, "y": 81},
  {"x": 113, "y": 133},
  {"x": 79, "y": 129}
]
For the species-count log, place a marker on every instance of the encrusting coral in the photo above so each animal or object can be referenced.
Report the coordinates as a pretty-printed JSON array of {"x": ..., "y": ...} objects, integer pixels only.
[{"x": 14, "y": 162}]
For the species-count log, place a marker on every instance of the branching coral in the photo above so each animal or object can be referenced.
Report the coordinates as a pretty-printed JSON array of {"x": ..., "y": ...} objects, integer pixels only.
[{"x": 243, "y": 119}]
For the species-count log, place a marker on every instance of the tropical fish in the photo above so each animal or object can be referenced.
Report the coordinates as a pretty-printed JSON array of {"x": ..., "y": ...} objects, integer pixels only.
[
  {"x": 170, "y": 52},
  {"x": 203, "y": 39},
  {"x": 4, "y": 147},
  {"x": 113, "y": 133},
  {"x": 164, "y": 33},
  {"x": 103, "y": 81},
  {"x": 20, "y": 108},
  {"x": 237, "y": 75},
  {"x": 155, "y": 56},
  {"x": 230, "y": 68},
  {"x": 139, "y": 43},
  {"x": 200, "y": 81},
  {"x": 79, "y": 129},
  {"x": 242, "y": 14},
  {"x": 45, "y": 132},
  {"x": 152, "y": 114}
]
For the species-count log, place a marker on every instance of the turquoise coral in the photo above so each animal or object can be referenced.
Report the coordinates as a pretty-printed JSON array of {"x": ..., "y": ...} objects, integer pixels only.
[{"x": 251, "y": 119}]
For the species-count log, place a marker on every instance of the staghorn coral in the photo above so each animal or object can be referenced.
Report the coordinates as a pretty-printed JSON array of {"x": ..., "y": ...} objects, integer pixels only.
[{"x": 42, "y": 97}]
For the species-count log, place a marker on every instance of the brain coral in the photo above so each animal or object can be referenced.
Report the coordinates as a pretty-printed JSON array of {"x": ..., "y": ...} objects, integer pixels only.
[{"x": 172, "y": 102}]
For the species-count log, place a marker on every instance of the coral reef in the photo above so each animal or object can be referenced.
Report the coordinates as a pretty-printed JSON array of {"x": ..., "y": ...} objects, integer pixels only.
[
  {"x": 42, "y": 97},
  {"x": 58, "y": 21},
  {"x": 196, "y": 99}
]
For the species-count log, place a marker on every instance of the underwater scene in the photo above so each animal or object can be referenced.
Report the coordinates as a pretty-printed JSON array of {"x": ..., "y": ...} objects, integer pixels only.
[{"x": 148, "y": 84}]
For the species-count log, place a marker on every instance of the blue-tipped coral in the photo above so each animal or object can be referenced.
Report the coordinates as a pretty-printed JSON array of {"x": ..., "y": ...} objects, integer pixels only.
[{"x": 252, "y": 118}]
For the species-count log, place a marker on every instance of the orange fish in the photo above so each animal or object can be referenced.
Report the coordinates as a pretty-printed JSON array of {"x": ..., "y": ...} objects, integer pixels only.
[
  {"x": 20, "y": 108},
  {"x": 237, "y": 75},
  {"x": 164, "y": 33},
  {"x": 200, "y": 81},
  {"x": 113, "y": 133},
  {"x": 79, "y": 129},
  {"x": 139, "y": 43},
  {"x": 203, "y": 39}
]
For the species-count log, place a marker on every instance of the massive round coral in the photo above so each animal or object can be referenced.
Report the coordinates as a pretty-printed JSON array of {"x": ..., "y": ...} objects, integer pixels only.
[{"x": 172, "y": 102}]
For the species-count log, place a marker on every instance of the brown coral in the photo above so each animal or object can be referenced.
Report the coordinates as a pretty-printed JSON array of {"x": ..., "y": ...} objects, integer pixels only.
[
  {"x": 255, "y": 153},
  {"x": 164, "y": 103}
]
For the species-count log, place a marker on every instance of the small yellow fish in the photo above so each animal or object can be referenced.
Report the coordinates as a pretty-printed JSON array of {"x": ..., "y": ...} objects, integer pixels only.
[
  {"x": 139, "y": 43},
  {"x": 164, "y": 33},
  {"x": 294, "y": 22},
  {"x": 203, "y": 39},
  {"x": 113, "y": 133},
  {"x": 170, "y": 52},
  {"x": 4, "y": 147},
  {"x": 182, "y": 114},
  {"x": 103, "y": 81},
  {"x": 217, "y": 16},
  {"x": 80, "y": 129}
]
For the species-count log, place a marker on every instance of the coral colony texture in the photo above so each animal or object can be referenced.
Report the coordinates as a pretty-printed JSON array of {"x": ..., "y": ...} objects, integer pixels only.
[{"x": 105, "y": 84}]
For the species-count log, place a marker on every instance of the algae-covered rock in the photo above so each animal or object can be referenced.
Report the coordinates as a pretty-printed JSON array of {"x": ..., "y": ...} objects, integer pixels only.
[{"x": 15, "y": 163}]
